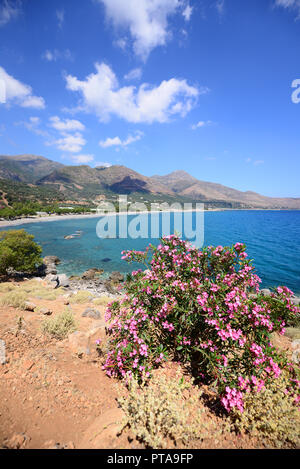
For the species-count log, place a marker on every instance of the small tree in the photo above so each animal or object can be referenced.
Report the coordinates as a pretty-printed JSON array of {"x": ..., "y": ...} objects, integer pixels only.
[{"x": 18, "y": 252}]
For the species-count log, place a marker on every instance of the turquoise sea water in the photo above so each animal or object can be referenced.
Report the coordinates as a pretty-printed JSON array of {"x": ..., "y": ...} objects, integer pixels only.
[{"x": 272, "y": 239}]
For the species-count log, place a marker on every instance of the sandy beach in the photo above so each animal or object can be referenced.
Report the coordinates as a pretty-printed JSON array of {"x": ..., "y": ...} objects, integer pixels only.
[{"x": 37, "y": 219}]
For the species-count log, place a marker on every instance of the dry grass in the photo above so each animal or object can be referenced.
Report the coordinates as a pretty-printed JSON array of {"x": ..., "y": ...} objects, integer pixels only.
[{"x": 60, "y": 326}]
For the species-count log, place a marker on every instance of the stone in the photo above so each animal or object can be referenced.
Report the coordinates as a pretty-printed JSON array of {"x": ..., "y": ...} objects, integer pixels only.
[
  {"x": 79, "y": 343},
  {"x": 28, "y": 364},
  {"x": 265, "y": 292},
  {"x": 296, "y": 351},
  {"x": 296, "y": 344},
  {"x": 28, "y": 306},
  {"x": 52, "y": 280},
  {"x": 63, "y": 280},
  {"x": 51, "y": 260},
  {"x": 296, "y": 301},
  {"x": 45, "y": 311},
  {"x": 104, "y": 430},
  {"x": 17, "y": 441},
  {"x": 90, "y": 273},
  {"x": 2, "y": 353},
  {"x": 116, "y": 277},
  {"x": 91, "y": 313}
]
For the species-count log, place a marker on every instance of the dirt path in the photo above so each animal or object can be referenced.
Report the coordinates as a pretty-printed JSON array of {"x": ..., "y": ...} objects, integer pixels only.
[{"x": 50, "y": 394}]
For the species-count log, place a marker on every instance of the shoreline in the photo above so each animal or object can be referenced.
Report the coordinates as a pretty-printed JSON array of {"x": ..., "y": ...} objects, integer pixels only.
[{"x": 39, "y": 219}]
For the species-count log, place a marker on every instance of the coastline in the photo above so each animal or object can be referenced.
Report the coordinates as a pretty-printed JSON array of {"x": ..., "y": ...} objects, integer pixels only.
[{"x": 39, "y": 219}]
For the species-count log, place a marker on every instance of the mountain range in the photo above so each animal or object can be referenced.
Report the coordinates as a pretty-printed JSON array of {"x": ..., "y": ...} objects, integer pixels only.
[{"x": 84, "y": 184}]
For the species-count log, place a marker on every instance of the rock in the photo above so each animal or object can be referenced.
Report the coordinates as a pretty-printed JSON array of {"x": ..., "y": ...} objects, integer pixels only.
[
  {"x": 296, "y": 301},
  {"x": 17, "y": 441},
  {"x": 52, "y": 280},
  {"x": 296, "y": 344},
  {"x": 103, "y": 433},
  {"x": 91, "y": 313},
  {"x": 63, "y": 280},
  {"x": 116, "y": 277},
  {"x": 51, "y": 260},
  {"x": 28, "y": 364},
  {"x": 252, "y": 296},
  {"x": 265, "y": 292},
  {"x": 79, "y": 343},
  {"x": 28, "y": 306},
  {"x": 106, "y": 259},
  {"x": 296, "y": 351},
  {"x": 90, "y": 273},
  {"x": 2, "y": 353},
  {"x": 45, "y": 311}
]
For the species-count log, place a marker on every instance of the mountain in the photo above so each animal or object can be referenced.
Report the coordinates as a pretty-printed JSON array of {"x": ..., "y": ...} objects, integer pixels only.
[
  {"x": 186, "y": 185},
  {"x": 84, "y": 184},
  {"x": 26, "y": 168}
]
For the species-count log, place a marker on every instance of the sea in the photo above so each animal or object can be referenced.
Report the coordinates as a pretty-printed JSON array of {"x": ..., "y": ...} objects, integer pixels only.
[{"x": 272, "y": 239}]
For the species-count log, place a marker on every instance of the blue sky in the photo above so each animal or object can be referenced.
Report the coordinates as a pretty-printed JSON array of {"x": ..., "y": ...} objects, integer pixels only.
[{"x": 156, "y": 85}]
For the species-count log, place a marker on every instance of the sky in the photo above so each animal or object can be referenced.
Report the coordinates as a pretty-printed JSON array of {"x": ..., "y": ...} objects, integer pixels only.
[{"x": 211, "y": 87}]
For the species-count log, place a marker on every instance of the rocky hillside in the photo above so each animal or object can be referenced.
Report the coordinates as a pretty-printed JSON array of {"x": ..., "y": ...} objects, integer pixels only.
[
  {"x": 85, "y": 184},
  {"x": 186, "y": 185},
  {"x": 26, "y": 168}
]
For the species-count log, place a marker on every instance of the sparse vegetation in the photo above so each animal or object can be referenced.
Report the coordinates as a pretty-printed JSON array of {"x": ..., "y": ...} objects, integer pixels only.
[
  {"x": 14, "y": 298},
  {"x": 271, "y": 415},
  {"x": 102, "y": 301},
  {"x": 80, "y": 297},
  {"x": 166, "y": 411},
  {"x": 60, "y": 326}
]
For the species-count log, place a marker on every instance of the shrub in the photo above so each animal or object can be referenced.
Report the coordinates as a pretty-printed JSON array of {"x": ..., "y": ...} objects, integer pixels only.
[
  {"x": 167, "y": 408},
  {"x": 102, "y": 301},
  {"x": 18, "y": 252},
  {"x": 6, "y": 287},
  {"x": 60, "y": 326},
  {"x": 195, "y": 306},
  {"x": 81, "y": 297},
  {"x": 14, "y": 298},
  {"x": 271, "y": 415}
]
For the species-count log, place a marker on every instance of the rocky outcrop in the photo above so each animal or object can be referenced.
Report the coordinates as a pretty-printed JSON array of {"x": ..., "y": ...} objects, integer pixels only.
[{"x": 91, "y": 273}]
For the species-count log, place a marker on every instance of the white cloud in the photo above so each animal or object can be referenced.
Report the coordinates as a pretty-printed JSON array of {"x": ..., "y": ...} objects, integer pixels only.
[
  {"x": 121, "y": 43},
  {"x": 220, "y": 6},
  {"x": 18, "y": 93},
  {"x": 187, "y": 12},
  {"x": 9, "y": 9},
  {"x": 53, "y": 56},
  {"x": 201, "y": 124},
  {"x": 60, "y": 15},
  {"x": 82, "y": 159},
  {"x": 67, "y": 125},
  {"x": 147, "y": 21},
  {"x": 117, "y": 142},
  {"x": 254, "y": 162},
  {"x": 70, "y": 143},
  {"x": 101, "y": 95},
  {"x": 293, "y": 5},
  {"x": 103, "y": 164},
  {"x": 33, "y": 125},
  {"x": 134, "y": 74}
]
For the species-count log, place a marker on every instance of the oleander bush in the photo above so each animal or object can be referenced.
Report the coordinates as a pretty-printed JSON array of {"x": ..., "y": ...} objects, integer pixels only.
[
  {"x": 60, "y": 326},
  {"x": 194, "y": 305}
]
